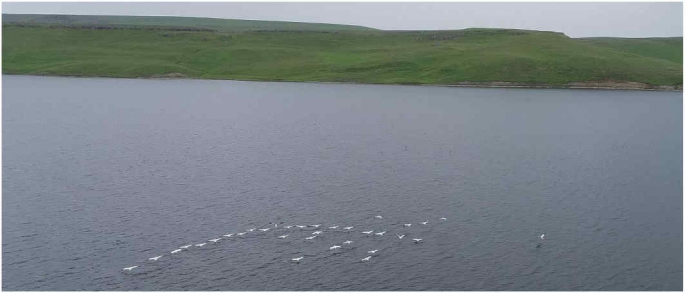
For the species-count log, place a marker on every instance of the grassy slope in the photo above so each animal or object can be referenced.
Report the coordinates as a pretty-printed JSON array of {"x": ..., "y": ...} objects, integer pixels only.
[
  {"x": 664, "y": 48},
  {"x": 476, "y": 55},
  {"x": 170, "y": 21}
]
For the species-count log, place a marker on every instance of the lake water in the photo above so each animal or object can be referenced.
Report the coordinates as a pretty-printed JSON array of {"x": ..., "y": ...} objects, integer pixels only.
[{"x": 102, "y": 174}]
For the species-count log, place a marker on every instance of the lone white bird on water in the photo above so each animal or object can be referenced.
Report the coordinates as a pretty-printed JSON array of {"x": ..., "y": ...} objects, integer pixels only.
[
  {"x": 215, "y": 240},
  {"x": 297, "y": 259},
  {"x": 283, "y": 236},
  {"x": 400, "y": 236},
  {"x": 407, "y": 225},
  {"x": 443, "y": 218},
  {"x": 379, "y": 217},
  {"x": 333, "y": 227},
  {"x": 542, "y": 236},
  {"x": 130, "y": 268},
  {"x": 372, "y": 251},
  {"x": 424, "y": 223},
  {"x": 155, "y": 258},
  {"x": 334, "y": 247},
  {"x": 200, "y": 245},
  {"x": 368, "y": 232},
  {"x": 366, "y": 258},
  {"x": 176, "y": 251},
  {"x": 348, "y": 227},
  {"x": 228, "y": 235},
  {"x": 381, "y": 233},
  {"x": 186, "y": 246},
  {"x": 311, "y": 237},
  {"x": 316, "y": 232},
  {"x": 348, "y": 242},
  {"x": 417, "y": 240}
]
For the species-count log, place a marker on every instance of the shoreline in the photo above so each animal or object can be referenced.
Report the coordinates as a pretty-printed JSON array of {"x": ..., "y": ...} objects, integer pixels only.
[{"x": 633, "y": 86}]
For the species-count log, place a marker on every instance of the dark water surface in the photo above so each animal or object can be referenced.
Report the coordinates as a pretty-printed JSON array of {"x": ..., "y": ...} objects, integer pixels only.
[{"x": 102, "y": 174}]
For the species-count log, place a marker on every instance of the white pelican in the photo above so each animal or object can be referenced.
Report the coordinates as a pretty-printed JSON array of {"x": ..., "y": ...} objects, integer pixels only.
[
  {"x": 334, "y": 247},
  {"x": 301, "y": 227},
  {"x": 381, "y": 233},
  {"x": 348, "y": 242},
  {"x": 443, "y": 219},
  {"x": 200, "y": 245},
  {"x": 542, "y": 236},
  {"x": 400, "y": 236},
  {"x": 348, "y": 227},
  {"x": 155, "y": 258},
  {"x": 379, "y": 217},
  {"x": 176, "y": 251},
  {"x": 424, "y": 223},
  {"x": 372, "y": 251},
  {"x": 130, "y": 268},
  {"x": 315, "y": 226},
  {"x": 283, "y": 236},
  {"x": 316, "y": 232},
  {"x": 186, "y": 246},
  {"x": 334, "y": 227},
  {"x": 228, "y": 235},
  {"x": 310, "y": 237},
  {"x": 298, "y": 259},
  {"x": 407, "y": 225},
  {"x": 366, "y": 258},
  {"x": 241, "y": 233},
  {"x": 215, "y": 240},
  {"x": 417, "y": 240},
  {"x": 368, "y": 232}
]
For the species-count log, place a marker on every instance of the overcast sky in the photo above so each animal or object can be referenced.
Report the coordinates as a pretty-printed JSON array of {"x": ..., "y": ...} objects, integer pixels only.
[{"x": 577, "y": 19}]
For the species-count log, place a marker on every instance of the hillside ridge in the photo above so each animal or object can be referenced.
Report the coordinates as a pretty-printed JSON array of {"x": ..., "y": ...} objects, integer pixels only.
[
  {"x": 219, "y": 24},
  {"x": 467, "y": 57}
]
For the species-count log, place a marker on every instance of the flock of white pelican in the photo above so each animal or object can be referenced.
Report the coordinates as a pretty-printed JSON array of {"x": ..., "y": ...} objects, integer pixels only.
[{"x": 313, "y": 236}]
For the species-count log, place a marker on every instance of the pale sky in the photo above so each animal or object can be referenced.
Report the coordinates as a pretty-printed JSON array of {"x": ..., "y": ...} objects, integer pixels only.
[{"x": 575, "y": 19}]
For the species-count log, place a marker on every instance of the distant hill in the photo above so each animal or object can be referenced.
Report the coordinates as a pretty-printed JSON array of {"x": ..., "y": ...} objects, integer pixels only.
[
  {"x": 173, "y": 21},
  {"x": 281, "y": 51}
]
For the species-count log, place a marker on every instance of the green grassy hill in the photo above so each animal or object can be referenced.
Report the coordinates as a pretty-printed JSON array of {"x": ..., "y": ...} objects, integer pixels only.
[
  {"x": 670, "y": 49},
  {"x": 172, "y": 21},
  {"x": 365, "y": 56}
]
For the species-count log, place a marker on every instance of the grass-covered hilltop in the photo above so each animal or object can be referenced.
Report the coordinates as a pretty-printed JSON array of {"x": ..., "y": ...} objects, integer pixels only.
[{"x": 130, "y": 46}]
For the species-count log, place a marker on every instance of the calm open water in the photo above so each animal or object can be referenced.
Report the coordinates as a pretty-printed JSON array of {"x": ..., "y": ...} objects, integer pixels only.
[{"x": 102, "y": 174}]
